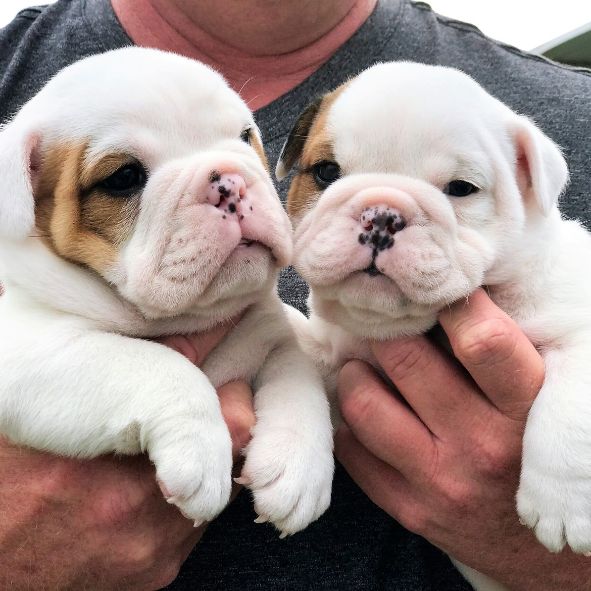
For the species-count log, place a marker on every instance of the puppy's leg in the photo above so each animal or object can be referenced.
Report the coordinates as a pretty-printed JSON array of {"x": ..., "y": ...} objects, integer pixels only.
[
  {"x": 554, "y": 496},
  {"x": 289, "y": 463},
  {"x": 98, "y": 393}
]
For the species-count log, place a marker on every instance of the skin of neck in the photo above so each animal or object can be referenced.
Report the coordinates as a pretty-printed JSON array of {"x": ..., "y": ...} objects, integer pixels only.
[
  {"x": 263, "y": 48},
  {"x": 259, "y": 27}
]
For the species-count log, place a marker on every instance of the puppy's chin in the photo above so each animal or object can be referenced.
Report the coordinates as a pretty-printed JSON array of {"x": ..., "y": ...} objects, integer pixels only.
[
  {"x": 248, "y": 272},
  {"x": 372, "y": 308},
  {"x": 214, "y": 291}
]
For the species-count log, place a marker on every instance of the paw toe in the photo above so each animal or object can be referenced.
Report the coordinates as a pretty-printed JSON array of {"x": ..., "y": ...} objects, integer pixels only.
[
  {"x": 578, "y": 535},
  {"x": 550, "y": 532}
]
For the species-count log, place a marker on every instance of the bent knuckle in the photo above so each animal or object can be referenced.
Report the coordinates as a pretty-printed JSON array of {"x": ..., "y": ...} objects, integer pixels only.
[
  {"x": 58, "y": 476},
  {"x": 240, "y": 422},
  {"x": 140, "y": 556},
  {"x": 405, "y": 359},
  {"x": 414, "y": 518},
  {"x": 116, "y": 507},
  {"x": 459, "y": 496},
  {"x": 495, "y": 460},
  {"x": 359, "y": 405},
  {"x": 488, "y": 341},
  {"x": 166, "y": 574}
]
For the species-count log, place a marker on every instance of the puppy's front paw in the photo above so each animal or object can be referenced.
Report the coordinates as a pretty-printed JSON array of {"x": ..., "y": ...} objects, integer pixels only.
[
  {"x": 557, "y": 506},
  {"x": 290, "y": 476},
  {"x": 194, "y": 471}
]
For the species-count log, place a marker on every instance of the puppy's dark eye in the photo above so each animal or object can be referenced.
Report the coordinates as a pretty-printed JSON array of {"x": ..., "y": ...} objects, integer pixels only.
[
  {"x": 325, "y": 173},
  {"x": 460, "y": 189},
  {"x": 245, "y": 135},
  {"x": 125, "y": 181}
]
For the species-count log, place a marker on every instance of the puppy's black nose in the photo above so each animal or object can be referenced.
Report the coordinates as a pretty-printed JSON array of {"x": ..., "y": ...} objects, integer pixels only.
[{"x": 379, "y": 224}]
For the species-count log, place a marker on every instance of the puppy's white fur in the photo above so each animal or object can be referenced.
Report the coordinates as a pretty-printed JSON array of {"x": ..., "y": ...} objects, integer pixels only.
[
  {"x": 75, "y": 380},
  {"x": 400, "y": 133}
]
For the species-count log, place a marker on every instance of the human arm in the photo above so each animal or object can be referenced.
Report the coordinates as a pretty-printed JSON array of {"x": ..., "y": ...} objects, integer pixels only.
[{"x": 103, "y": 523}]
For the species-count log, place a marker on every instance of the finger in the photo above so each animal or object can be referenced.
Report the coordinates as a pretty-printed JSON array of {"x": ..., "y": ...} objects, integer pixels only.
[
  {"x": 384, "y": 485},
  {"x": 496, "y": 352},
  {"x": 440, "y": 393},
  {"x": 381, "y": 422},
  {"x": 238, "y": 410},
  {"x": 197, "y": 346}
]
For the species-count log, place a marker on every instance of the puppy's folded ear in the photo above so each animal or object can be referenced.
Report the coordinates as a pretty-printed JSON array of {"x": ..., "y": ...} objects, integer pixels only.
[
  {"x": 20, "y": 161},
  {"x": 292, "y": 149},
  {"x": 542, "y": 172}
]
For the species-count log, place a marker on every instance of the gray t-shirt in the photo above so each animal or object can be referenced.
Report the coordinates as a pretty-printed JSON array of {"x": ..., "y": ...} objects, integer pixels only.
[{"x": 354, "y": 546}]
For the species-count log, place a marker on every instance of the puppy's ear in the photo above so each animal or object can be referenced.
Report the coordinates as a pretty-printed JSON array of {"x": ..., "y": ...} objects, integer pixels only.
[
  {"x": 292, "y": 149},
  {"x": 542, "y": 173},
  {"x": 20, "y": 162}
]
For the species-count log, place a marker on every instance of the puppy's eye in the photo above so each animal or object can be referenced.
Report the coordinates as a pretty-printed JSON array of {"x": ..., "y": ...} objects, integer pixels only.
[
  {"x": 325, "y": 173},
  {"x": 460, "y": 189},
  {"x": 125, "y": 181},
  {"x": 245, "y": 135}
]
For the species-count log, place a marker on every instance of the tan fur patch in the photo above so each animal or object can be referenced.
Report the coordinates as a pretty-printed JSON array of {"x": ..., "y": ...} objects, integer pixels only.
[
  {"x": 79, "y": 222},
  {"x": 258, "y": 148},
  {"x": 303, "y": 191}
]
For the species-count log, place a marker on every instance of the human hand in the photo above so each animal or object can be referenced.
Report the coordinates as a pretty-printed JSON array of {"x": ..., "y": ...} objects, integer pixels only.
[
  {"x": 443, "y": 456},
  {"x": 101, "y": 524}
]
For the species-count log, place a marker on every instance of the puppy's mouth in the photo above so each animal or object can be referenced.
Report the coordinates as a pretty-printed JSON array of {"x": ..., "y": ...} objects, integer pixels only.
[
  {"x": 372, "y": 269},
  {"x": 249, "y": 244}
]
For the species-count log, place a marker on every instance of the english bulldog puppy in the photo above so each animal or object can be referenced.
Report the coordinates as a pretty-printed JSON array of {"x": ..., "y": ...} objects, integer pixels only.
[
  {"x": 136, "y": 203},
  {"x": 414, "y": 187}
]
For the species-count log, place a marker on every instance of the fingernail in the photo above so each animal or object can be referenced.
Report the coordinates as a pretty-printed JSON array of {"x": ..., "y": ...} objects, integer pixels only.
[
  {"x": 283, "y": 535},
  {"x": 198, "y": 523},
  {"x": 261, "y": 519}
]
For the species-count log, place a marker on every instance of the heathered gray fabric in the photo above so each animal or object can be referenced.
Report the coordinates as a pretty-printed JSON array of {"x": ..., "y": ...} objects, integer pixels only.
[{"x": 355, "y": 546}]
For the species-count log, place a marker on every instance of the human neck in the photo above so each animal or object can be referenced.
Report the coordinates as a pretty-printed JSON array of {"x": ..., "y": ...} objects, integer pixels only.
[{"x": 262, "y": 47}]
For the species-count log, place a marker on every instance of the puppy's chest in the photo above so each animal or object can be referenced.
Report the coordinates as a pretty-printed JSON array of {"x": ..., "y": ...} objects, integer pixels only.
[{"x": 236, "y": 359}]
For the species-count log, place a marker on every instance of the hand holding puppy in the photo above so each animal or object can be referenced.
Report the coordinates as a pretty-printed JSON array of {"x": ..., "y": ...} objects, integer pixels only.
[
  {"x": 102, "y": 523},
  {"x": 447, "y": 465}
]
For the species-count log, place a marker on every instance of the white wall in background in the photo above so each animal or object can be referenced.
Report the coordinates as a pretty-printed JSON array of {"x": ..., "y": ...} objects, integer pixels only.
[{"x": 526, "y": 24}]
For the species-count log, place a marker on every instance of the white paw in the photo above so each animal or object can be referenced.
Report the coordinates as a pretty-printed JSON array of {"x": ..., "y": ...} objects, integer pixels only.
[
  {"x": 194, "y": 470},
  {"x": 557, "y": 506},
  {"x": 290, "y": 476}
]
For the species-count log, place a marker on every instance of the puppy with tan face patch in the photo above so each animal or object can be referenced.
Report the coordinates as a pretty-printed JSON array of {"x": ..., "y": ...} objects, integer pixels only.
[
  {"x": 414, "y": 187},
  {"x": 136, "y": 203}
]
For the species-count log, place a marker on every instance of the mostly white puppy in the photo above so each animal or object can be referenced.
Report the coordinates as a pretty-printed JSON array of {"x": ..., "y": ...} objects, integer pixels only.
[
  {"x": 414, "y": 187},
  {"x": 136, "y": 203}
]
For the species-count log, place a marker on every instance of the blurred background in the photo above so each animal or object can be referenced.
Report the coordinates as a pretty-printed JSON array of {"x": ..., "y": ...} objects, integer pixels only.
[{"x": 561, "y": 30}]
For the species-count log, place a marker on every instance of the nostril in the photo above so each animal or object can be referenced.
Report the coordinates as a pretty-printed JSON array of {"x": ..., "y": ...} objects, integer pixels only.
[
  {"x": 366, "y": 219},
  {"x": 394, "y": 224}
]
